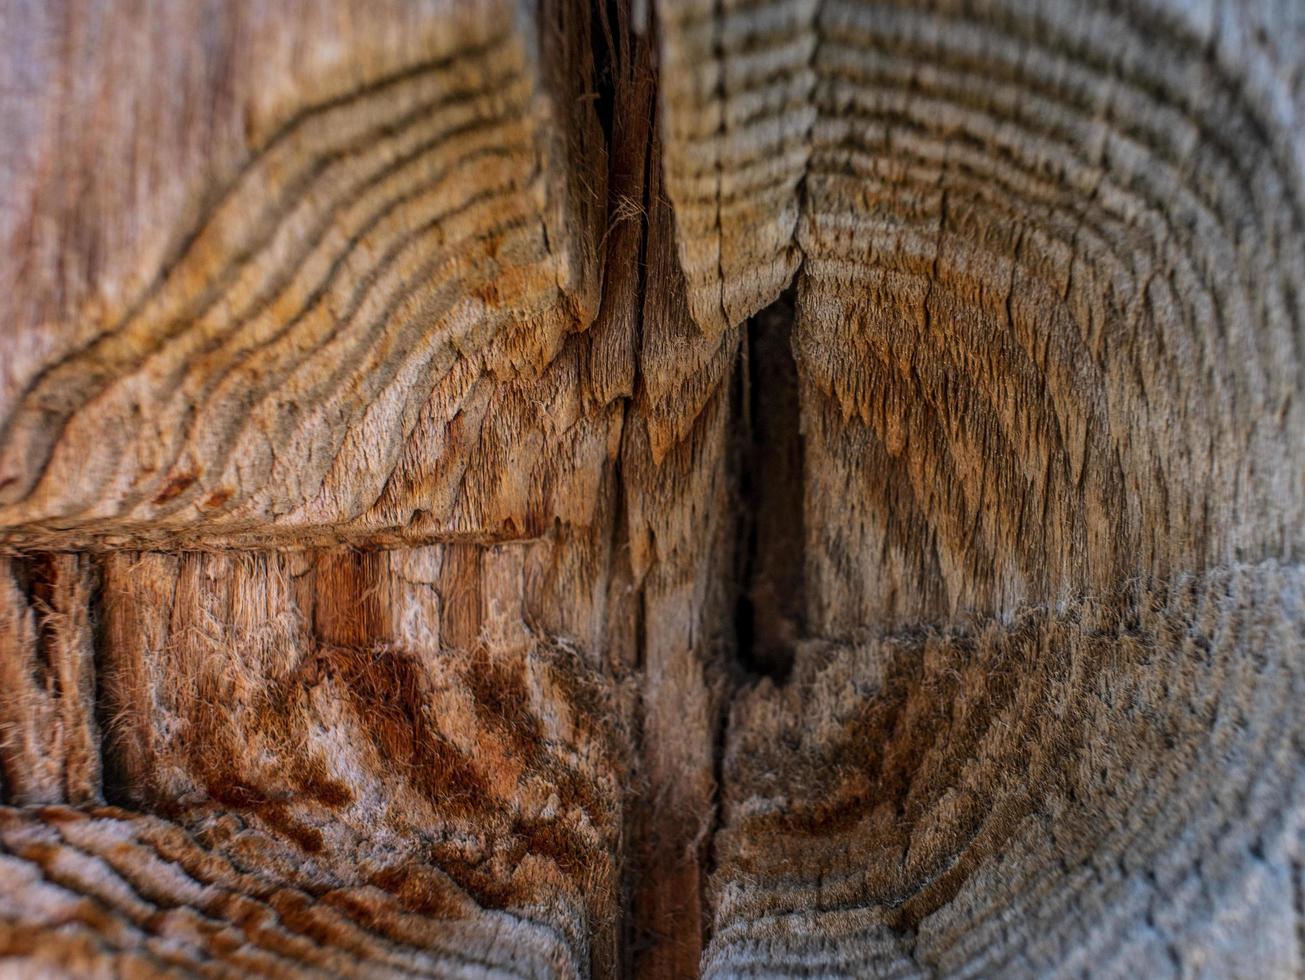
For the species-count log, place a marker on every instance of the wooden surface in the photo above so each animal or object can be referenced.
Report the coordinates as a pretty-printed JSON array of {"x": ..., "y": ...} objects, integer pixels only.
[
  {"x": 1048, "y": 338},
  {"x": 341, "y": 310},
  {"x": 741, "y": 489}
]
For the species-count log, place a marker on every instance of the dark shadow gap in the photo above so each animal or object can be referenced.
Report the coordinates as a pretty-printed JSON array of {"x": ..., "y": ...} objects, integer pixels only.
[{"x": 771, "y": 605}]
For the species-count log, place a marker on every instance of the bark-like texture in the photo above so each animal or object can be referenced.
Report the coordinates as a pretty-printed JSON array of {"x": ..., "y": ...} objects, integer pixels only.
[{"x": 753, "y": 489}]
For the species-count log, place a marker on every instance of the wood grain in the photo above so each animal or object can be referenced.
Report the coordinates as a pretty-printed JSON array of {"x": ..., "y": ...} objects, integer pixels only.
[
  {"x": 736, "y": 92},
  {"x": 315, "y": 719},
  {"x": 1048, "y": 343},
  {"x": 1029, "y": 340},
  {"x": 1108, "y": 788},
  {"x": 49, "y": 735},
  {"x": 357, "y": 276},
  {"x": 746, "y": 489}
]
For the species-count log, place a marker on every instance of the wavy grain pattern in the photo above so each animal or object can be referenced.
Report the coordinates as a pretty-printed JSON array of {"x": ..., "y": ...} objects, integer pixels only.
[
  {"x": 378, "y": 272},
  {"x": 748, "y": 488}
]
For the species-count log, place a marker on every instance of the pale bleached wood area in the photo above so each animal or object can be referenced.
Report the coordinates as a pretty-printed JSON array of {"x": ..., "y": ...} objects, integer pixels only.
[{"x": 739, "y": 489}]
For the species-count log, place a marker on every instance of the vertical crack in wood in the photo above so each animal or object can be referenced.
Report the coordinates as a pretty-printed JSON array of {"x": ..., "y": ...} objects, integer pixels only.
[
  {"x": 772, "y": 530},
  {"x": 49, "y": 736}
]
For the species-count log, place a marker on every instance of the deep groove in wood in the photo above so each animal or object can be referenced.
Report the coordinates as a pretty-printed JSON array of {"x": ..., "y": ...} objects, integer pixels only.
[{"x": 772, "y": 536}]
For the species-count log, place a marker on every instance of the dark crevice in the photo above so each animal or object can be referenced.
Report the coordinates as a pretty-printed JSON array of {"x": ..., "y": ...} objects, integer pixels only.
[
  {"x": 115, "y": 779},
  {"x": 610, "y": 41},
  {"x": 623, "y": 103},
  {"x": 35, "y": 577},
  {"x": 769, "y": 612}
]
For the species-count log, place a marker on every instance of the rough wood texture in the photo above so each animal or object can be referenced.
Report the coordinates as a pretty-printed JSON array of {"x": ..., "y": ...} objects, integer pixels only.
[
  {"x": 345, "y": 307},
  {"x": 736, "y": 87},
  {"x": 1112, "y": 789},
  {"x": 752, "y": 489},
  {"x": 49, "y": 738},
  {"x": 338, "y": 723},
  {"x": 1048, "y": 321},
  {"x": 1048, "y": 338}
]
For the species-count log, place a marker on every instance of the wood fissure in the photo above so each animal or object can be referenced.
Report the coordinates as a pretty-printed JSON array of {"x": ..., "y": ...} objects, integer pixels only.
[{"x": 772, "y": 536}]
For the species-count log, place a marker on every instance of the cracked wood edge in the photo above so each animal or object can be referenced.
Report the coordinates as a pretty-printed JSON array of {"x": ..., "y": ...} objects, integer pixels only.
[{"x": 319, "y": 760}]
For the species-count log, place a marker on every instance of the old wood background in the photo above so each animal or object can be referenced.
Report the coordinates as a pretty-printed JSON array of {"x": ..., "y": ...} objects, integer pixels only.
[{"x": 740, "y": 487}]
